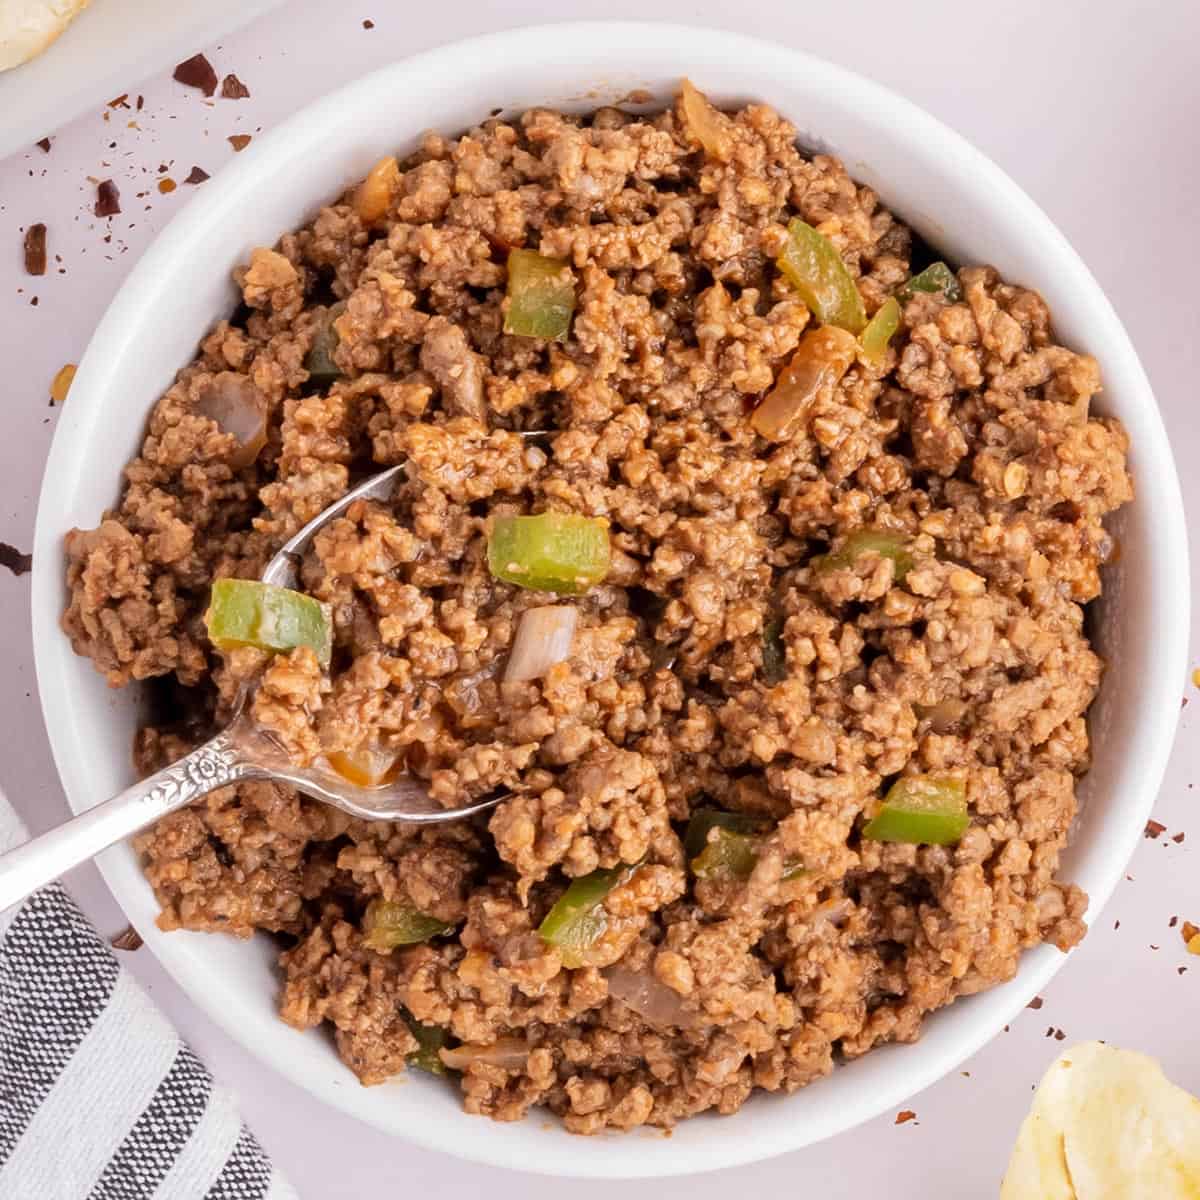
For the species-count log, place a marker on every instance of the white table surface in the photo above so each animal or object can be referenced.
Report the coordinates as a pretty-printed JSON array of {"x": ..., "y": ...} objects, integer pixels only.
[{"x": 1100, "y": 130}]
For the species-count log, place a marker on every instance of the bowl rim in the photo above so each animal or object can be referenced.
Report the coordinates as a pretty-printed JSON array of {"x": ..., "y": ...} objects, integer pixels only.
[{"x": 1159, "y": 490}]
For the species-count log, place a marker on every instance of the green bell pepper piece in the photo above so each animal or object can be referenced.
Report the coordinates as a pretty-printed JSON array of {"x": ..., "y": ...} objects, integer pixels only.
[
  {"x": 732, "y": 850},
  {"x": 550, "y": 552},
  {"x": 924, "y": 809},
  {"x": 774, "y": 653},
  {"x": 578, "y": 919},
  {"x": 319, "y": 362},
  {"x": 541, "y": 296},
  {"x": 430, "y": 1039},
  {"x": 391, "y": 923},
  {"x": 245, "y": 612},
  {"x": 815, "y": 269},
  {"x": 935, "y": 278},
  {"x": 884, "y": 542},
  {"x": 879, "y": 331}
]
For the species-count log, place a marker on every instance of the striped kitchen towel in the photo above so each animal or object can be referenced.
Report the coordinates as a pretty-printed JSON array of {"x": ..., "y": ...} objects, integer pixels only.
[{"x": 99, "y": 1097}]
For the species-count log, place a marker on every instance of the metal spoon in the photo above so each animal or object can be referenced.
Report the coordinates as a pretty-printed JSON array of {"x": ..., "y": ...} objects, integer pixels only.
[{"x": 240, "y": 751}]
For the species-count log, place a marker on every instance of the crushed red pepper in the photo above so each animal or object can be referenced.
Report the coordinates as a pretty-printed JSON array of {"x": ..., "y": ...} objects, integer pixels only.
[
  {"x": 232, "y": 88},
  {"x": 108, "y": 199},
  {"x": 44, "y": 143},
  {"x": 121, "y": 101},
  {"x": 239, "y": 141},
  {"x": 12, "y": 558},
  {"x": 35, "y": 249},
  {"x": 905, "y": 1115},
  {"x": 1154, "y": 828},
  {"x": 197, "y": 175},
  {"x": 197, "y": 72},
  {"x": 127, "y": 939},
  {"x": 1191, "y": 937},
  {"x": 166, "y": 186},
  {"x": 1035, "y": 1003}
]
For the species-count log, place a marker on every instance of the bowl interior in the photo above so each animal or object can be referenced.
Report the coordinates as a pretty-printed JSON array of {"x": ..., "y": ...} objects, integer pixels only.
[{"x": 953, "y": 196}]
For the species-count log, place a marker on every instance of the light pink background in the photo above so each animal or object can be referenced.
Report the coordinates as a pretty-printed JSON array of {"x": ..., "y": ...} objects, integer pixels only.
[{"x": 1091, "y": 106}]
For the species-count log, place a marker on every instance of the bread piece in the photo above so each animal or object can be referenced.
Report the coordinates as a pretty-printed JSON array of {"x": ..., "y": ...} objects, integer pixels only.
[{"x": 27, "y": 27}]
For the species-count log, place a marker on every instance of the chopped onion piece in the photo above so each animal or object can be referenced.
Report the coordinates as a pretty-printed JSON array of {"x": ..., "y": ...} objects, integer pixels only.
[
  {"x": 509, "y": 1053},
  {"x": 648, "y": 996},
  {"x": 544, "y": 638},
  {"x": 239, "y": 408},
  {"x": 708, "y": 125},
  {"x": 822, "y": 358},
  {"x": 373, "y": 197},
  {"x": 368, "y": 766}
]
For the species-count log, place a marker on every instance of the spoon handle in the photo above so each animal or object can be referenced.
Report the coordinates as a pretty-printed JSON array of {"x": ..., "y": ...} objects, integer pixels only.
[{"x": 43, "y": 859}]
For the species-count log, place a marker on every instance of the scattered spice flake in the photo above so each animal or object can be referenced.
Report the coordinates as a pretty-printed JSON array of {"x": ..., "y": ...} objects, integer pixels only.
[
  {"x": 60, "y": 385},
  {"x": 1059, "y": 1035},
  {"x": 1154, "y": 829},
  {"x": 1181, "y": 970},
  {"x": 197, "y": 72},
  {"x": 44, "y": 144},
  {"x": 905, "y": 1115},
  {"x": 14, "y": 560},
  {"x": 368, "y": 23},
  {"x": 239, "y": 141},
  {"x": 196, "y": 175},
  {"x": 166, "y": 186},
  {"x": 232, "y": 88},
  {"x": 1035, "y": 1003},
  {"x": 127, "y": 939},
  {"x": 1178, "y": 838},
  {"x": 1172, "y": 922},
  {"x": 1049, "y": 1032},
  {"x": 35, "y": 249},
  {"x": 108, "y": 199},
  {"x": 122, "y": 101},
  {"x": 1116, "y": 924},
  {"x": 140, "y": 101}
]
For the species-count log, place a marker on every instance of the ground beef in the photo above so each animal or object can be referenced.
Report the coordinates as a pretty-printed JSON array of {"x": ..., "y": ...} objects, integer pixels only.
[{"x": 972, "y": 441}]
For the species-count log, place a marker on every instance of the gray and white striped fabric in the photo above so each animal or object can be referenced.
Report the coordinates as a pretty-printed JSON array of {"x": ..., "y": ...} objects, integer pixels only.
[{"x": 99, "y": 1097}]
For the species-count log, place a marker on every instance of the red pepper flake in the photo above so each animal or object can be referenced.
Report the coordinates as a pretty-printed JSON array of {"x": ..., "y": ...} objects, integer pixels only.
[
  {"x": 196, "y": 175},
  {"x": 239, "y": 141},
  {"x": 14, "y": 560},
  {"x": 44, "y": 144},
  {"x": 368, "y": 24},
  {"x": 197, "y": 72},
  {"x": 1035, "y": 1003},
  {"x": 166, "y": 186},
  {"x": 1116, "y": 925},
  {"x": 127, "y": 939},
  {"x": 1181, "y": 970},
  {"x": 108, "y": 199},
  {"x": 1154, "y": 828},
  {"x": 232, "y": 88},
  {"x": 35, "y": 249},
  {"x": 122, "y": 101},
  {"x": 1178, "y": 838},
  {"x": 60, "y": 385},
  {"x": 1059, "y": 1035},
  {"x": 1172, "y": 922},
  {"x": 905, "y": 1115},
  {"x": 140, "y": 101}
]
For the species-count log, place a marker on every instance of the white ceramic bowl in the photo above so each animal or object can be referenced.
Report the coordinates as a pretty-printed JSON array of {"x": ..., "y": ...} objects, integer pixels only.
[{"x": 948, "y": 191}]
